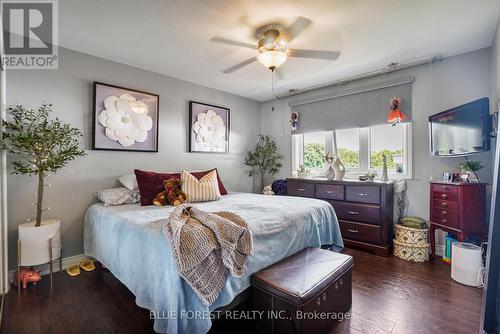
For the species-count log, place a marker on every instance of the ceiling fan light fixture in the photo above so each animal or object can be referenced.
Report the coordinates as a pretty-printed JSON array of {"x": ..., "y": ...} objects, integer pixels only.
[{"x": 272, "y": 59}]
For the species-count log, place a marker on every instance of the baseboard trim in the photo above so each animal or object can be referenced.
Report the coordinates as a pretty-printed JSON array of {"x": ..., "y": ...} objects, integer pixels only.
[{"x": 44, "y": 268}]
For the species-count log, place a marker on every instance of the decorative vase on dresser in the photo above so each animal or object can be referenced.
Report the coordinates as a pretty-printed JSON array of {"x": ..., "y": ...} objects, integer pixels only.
[
  {"x": 459, "y": 209},
  {"x": 364, "y": 209},
  {"x": 339, "y": 169}
]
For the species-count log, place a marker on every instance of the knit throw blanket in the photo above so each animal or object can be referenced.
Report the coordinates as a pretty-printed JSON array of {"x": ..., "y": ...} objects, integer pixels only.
[{"x": 206, "y": 246}]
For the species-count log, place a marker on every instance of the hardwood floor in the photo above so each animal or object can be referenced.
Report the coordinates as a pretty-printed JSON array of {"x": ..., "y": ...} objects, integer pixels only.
[{"x": 389, "y": 296}]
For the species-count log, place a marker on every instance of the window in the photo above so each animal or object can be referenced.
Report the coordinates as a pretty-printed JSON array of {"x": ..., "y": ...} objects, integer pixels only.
[
  {"x": 348, "y": 147},
  {"x": 360, "y": 149},
  {"x": 314, "y": 150},
  {"x": 387, "y": 140}
]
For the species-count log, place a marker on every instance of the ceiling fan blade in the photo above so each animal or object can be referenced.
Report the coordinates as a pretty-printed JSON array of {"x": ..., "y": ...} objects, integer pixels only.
[
  {"x": 240, "y": 65},
  {"x": 231, "y": 42},
  {"x": 317, "y": 54},
  {"x": 296, "y": 28}
]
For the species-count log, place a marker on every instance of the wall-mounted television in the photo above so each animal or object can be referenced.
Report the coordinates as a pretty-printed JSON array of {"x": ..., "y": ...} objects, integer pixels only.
[{"x": 462, "y": 130}]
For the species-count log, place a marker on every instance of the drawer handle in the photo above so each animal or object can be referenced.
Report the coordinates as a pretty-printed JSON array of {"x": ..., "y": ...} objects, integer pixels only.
[
  {"x": 444, "y": 221},
  {"x": 353, "y": 212},
  {"x": 318, "y": 301},
  {"x": 443, "y": 196},
  {"x": 351, "y": 230},
  {"x": 324, "y": 296},
  {"x": 362, "y": 194},
  {"x": 444, "y": 205},
  {"x": 336, "y": 286},
  {"x": 301, "y": 189},
  {"x": 329, "y": 191},
  {"x": 341, "y": 282},
  {"x": 444, "y": 212}
]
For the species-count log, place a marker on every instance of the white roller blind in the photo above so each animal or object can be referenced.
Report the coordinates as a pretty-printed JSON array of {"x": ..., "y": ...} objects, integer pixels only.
[{"x": 355, "y": 105}]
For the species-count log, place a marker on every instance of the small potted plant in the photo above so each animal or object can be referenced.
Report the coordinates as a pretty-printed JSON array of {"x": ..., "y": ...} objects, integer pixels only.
[
  {"x": 265, "y": 159},
  {"x": 42, "y": 146},
  {"x": 470, "y": 166},
  {"x": 371, "y": 175}
]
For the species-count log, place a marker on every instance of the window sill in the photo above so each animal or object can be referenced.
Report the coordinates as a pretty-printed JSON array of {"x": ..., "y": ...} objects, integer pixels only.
[{"x": 355, "y": 175}]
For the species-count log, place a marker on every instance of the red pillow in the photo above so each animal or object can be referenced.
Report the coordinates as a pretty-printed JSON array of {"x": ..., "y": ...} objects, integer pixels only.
[{"x": 151, "y": 183}]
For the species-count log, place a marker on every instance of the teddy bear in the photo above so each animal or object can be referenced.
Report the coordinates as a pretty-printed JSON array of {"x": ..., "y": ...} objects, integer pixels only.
[
  {"x": 268, "y": 190},
  {"x": 172, "y": 195}
]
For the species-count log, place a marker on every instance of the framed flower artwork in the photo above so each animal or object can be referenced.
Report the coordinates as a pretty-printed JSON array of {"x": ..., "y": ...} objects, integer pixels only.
[
  {"x": 208, "y": 128},
  {"x": 124, "y": 119}
]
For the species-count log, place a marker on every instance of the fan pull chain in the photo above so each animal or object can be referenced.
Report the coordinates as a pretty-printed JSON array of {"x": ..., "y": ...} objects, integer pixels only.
[{"x": 274, "y": 85}]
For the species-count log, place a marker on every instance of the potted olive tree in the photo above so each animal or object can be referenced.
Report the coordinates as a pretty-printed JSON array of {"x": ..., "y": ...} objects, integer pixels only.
[
  {"x": 265, "y": 159},
  {"x": 39, "y": 146}
]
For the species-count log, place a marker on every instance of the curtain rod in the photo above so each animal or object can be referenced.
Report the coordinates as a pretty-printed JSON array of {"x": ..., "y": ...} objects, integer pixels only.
[
  {"x": 394, "y": 67},
  {"x": 358, "y": 91}
]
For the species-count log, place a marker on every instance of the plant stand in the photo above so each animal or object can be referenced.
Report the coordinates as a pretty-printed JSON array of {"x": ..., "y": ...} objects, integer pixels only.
[{"x": 50, "y": 263}]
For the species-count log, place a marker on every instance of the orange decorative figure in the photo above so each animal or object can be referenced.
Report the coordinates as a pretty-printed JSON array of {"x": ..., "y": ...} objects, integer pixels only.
[
  {"x": 28, "y": 276},
  {"x": 395, "y": 115}
]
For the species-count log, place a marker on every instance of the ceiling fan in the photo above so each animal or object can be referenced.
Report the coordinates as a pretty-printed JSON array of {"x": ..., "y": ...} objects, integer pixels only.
[{"x": 273, "y": 46}]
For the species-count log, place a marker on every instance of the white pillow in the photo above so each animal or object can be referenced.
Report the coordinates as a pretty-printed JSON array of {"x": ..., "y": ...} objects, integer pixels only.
[
  {"x": 117, "y": 196},
  {"x": 129, "y": 181},
  {"x": 202, "y": 190}
]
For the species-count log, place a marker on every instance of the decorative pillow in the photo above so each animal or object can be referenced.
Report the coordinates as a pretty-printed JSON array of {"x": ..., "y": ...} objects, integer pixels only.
[
  {"x": 202, "y": 190},
  {"x": 117, "y": 196},
  {"x": 200, "y": 174},
  {"x": 129, "y": 181},
  {"x": 151, "y": 184}
]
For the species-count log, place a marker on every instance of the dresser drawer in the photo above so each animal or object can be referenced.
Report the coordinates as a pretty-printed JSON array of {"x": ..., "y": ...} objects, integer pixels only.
[
  {"x": 363, "y": 194},
  {"x": 302, "y": 189},
  {"x": 359, "y": 231},
  {"x": 443, "y": 204},
  {"x": 445, "y": 217},
  {"x": 330, "y": 191},
  {"x": 449, "y": 196},
  {"x": 363, "y": 213},
  {"x": 444, "y": 191}
]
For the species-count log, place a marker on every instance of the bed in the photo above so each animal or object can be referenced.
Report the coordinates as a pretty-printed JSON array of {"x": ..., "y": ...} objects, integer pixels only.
[{"x": 128, "y": 240}]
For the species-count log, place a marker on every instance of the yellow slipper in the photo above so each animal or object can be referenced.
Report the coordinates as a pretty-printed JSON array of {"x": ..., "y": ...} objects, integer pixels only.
[
  {"x": 87, "y": 265},
  {"x": 73, "y": 270}
]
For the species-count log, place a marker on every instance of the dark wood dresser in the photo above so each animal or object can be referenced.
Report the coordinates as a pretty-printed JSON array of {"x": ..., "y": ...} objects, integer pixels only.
[
  {"x": 364, "y": 209},
  {"x": 458, "y": 208}
]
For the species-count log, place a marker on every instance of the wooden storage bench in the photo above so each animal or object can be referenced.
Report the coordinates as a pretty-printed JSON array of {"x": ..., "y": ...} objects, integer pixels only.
[{"x": 305, "y": 293}]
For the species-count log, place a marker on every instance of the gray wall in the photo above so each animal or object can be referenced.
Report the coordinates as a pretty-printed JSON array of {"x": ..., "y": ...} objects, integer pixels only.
[
  {"x": 69, "y": 89},
  {"x": 436, "y": 87}
]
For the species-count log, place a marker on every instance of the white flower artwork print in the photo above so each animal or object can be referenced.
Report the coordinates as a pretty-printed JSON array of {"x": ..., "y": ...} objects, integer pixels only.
[
  {"x": 125, "y": 119},
  {"x": 210, "y": 131}
]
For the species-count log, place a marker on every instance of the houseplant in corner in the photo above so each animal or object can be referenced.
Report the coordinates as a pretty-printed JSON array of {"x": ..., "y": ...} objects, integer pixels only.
[
  {"x": 39, "y": 146},
  {"x": 265, "y": 159}
]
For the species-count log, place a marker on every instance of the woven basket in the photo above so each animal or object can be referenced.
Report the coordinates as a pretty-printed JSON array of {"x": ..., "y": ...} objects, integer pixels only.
[
  {"x": 412, "y": 236},
  {"x": 411, "y": 252}
]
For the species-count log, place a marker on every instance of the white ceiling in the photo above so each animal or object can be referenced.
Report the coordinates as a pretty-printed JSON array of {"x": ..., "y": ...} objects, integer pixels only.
[{"x": 172, "y": 37}]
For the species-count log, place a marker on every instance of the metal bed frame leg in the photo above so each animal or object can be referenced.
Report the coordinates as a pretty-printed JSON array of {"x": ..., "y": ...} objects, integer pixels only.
[
  {"x": 51, "y": 262},
  {"x": 18, "y": 278}
]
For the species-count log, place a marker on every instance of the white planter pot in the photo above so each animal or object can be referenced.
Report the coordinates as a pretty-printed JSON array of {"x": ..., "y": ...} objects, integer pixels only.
[{"x": 35, "y": 244}]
